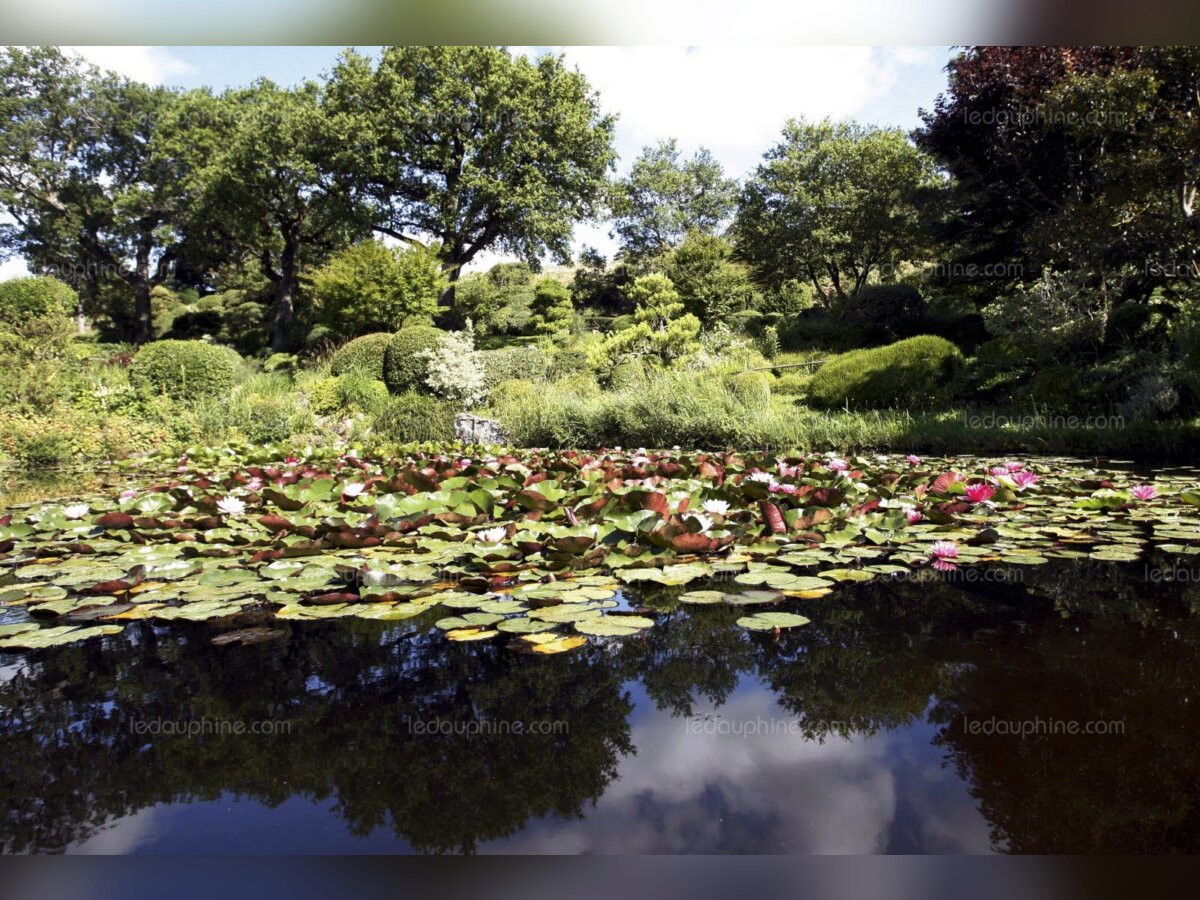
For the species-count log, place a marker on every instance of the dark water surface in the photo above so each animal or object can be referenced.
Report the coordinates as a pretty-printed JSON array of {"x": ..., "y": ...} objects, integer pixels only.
[{"x": 877, "y": 728}]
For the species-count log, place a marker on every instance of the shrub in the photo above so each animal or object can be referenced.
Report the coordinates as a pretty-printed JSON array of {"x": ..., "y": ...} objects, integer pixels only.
[
  {"x": 404, "y": 369},
  {"x": 769, "y": 342},
  {"x": 627, "y": 374},
  {"x": 413, "y": 417},
  {"x": 35, "y": 297},
  {"x": 369, "y": 287},
  {"x": 888, "y": 311},
  {"x": 511, "y": 391},
  {"x": 568, "y": 362},
  {"x": 908, "y": 373},
  {"x": 184, "y": 369},
  {"x": 506, "y": 363},
  {"x": 363, "y": 355},
  {"x": 752, "y": 388},
  {"x": 792, "y": 384},
  {"x": 620, "y": 323},
  {"x": 453, "y": 370},
  {"x": 266, "y": 419}
]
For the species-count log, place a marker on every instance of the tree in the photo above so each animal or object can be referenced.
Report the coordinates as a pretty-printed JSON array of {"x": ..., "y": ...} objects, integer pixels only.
[
  {"x": 661, "y": 329},
  {"x": 86, "y": 178},
  {"x": 1004, "y": 137},
  {"x": 552, "y": 309},
  {"x": 370, "y": 287},
  {"x": 833, "y": 203},
  {"x": 710, "y": 282},
  {"x": 473, "y": 148},
  {"x": 269, "y": 190},
  {"x": 664, "y": 197}
]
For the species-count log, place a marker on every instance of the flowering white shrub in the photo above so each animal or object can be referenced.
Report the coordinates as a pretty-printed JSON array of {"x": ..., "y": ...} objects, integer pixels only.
[{"x": 455, "y": 370}]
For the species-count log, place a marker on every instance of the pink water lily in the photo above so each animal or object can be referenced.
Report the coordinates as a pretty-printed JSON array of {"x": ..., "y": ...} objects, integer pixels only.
[
  {"x": 1014, "y": 466},
  {"x": 778, "y": 488},
  {"x": 913, "y": 460},
  {"x": 129, "y": 494},
  {"x": 998, "y": 470},
  {"x": 1144, "y": 492},
  {"x": 837, "y": 465},
  {"x": 1024, "y": 479},
  {"x": 913, "y": 515},
  {"x": 944, "y": 553},
  {"x": 980, "y": 493}
]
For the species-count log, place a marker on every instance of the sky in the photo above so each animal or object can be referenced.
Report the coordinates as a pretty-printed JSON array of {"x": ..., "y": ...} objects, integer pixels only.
[{"x": 732, "y": 100}]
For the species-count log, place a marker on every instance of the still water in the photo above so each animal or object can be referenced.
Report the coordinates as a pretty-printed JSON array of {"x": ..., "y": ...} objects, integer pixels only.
[{"x": 930, "y": 717}]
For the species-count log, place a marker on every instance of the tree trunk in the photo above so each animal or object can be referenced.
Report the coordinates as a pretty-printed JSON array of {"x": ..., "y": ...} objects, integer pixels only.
[
  {"x": 285, "y": 297},
  {"x": 143, "y": 315},
  {"x": 447, "y": 298}
]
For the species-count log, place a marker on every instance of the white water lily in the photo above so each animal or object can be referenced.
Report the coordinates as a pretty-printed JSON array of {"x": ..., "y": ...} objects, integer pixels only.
[
  {"x": 491, "y": 535},
  {"x": 702, "y": 520},
  {"x": 231, "y": 506},
  {"x": 353, "y": 489},
  {"x": 765, "y": 477},
  {"x": 715, "y": 507},
  {"x": 75, "y": 510}
]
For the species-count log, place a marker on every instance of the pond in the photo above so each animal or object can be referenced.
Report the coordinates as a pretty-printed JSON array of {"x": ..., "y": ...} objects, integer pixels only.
[{"x": 1020, "y": 697}]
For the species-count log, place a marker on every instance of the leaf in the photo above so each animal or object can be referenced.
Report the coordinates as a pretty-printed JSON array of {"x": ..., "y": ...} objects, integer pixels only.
[
  {"x": 613, "y": 626},
  {"x": 771, "y": 621}
]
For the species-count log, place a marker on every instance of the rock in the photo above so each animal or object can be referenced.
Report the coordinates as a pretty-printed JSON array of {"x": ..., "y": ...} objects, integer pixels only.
[{"x": 477, "y": 430}]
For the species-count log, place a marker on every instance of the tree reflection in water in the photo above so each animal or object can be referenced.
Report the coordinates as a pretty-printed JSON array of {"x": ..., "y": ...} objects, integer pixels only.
[{"x": 403, "y": 730}]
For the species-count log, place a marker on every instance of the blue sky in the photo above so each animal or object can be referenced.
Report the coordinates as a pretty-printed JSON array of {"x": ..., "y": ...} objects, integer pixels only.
[{"x": 733, "y": 100}]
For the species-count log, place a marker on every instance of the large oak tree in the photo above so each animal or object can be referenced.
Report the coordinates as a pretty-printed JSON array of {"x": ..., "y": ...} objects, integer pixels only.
[{"x": 472, "y": 148}]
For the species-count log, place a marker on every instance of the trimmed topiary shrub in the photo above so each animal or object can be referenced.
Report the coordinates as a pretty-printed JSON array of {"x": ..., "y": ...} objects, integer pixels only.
[
  {"x": 404, "y": 369},
  {"x": 507, "y": 363},
  {"x": 910, "y": 373},
  {"x": 185, "y": 369},
  {"x": 567, "y": 363},
  {"x": 413, "y": 417},
  {"x": 363, "y": 355},
  {"x": 752, "y": 388}
]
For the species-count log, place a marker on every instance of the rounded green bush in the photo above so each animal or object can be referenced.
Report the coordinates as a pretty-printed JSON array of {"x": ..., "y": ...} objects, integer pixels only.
[
  {"x": 512, "y": 391},
  {"x": 507, "y": 363},
  {"x": 35, "y": 297},
  {"x": 184, "y": 369},
  {"x": 403, "y": 368},
  {"x": 628, "y": 373},
  {"x": 363, "y": 355},
  {"x": 568, "y": 362},
  {"x": 753, "y": 389},
  {"x": 909, "y": 373},
  {"x": 414, "y": 417},
  {"x": 792, "y": 384}
]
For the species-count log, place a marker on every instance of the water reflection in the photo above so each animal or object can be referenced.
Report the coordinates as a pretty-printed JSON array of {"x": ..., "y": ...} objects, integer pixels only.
[{"x": 850, "y": 735}]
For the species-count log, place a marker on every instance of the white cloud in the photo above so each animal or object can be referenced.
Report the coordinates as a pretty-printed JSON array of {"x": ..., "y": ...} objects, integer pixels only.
[{"x": 154, "y": 65}]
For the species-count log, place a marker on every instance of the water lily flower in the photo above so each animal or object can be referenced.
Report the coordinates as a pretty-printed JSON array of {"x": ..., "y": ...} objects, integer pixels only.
[
  {"x": 1024, "y": 479},
  {"x": 702, "y": 520},
  {"x": 715, "y": 507},
  {"x": 913, "y": 514},
  {"x": 463, "y": 463},
  {"x": 75, "y": 510},
  {"x": 980, "y": 493},
  {"x": 913, "y": 460},
  {"x": 1014, "y": 466},
  {"x": 1144, "y": 492},
  {"x": 676, "y": 448},
  {"x": 764, "y": 477},
  {"x": 491, "y": 535},
  {"x": 129, "y": 494},
  {"x": 998, "y": 470},
  {"x": 353, "y": 489},
  {"x": 231, "y": 506},
  {"x": 944, "y": 553},
  {"x": 837, "y": 465},
  {"x": 786, "y": 471},
  {"x": 291, "y": 461},
  {"x": 640, "y": 460},
  {"x": 777, "y": 488}
]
